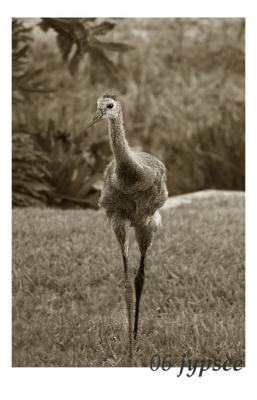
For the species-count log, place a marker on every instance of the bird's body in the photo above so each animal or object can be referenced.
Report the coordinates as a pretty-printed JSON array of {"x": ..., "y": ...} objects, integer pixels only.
[
  {"x": 134, "y": 189},
  {"x": 134, "y": 195}
]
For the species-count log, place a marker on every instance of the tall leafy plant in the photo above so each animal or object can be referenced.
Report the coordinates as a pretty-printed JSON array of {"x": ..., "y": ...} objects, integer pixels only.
[
  {"x": 78, "y": 37},
  {"x": 30, "y": 166}
]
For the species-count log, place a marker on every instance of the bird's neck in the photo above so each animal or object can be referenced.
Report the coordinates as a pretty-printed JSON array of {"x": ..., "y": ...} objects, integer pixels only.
[{"x": 120, "y": 148}]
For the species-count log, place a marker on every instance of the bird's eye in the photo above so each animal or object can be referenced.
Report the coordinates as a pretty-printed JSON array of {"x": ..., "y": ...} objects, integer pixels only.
[{"x": 110, "y": 105}]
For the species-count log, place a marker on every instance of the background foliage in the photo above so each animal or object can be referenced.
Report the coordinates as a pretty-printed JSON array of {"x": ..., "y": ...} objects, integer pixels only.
[{"x": 181, "y": 82}]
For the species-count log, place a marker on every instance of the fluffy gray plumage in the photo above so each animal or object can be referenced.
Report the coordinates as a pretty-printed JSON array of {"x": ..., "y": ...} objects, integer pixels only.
[{"x": 134, "y": 192}]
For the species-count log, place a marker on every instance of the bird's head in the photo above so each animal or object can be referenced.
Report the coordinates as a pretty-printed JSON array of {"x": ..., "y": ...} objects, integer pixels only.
[{"x": 108, "y": 107}]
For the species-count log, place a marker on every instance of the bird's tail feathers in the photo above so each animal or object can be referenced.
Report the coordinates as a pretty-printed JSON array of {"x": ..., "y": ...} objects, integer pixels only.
[{"x": 157, "y": 219}]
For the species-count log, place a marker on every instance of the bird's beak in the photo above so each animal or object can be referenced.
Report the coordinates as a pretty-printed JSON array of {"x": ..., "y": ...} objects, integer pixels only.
[{"x": 98, "y": 116}]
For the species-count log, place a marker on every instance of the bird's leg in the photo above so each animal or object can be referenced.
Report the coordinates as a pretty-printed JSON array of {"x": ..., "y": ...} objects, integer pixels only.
[
  {"x": 139, "y": 283},
  {"x": 144, "y": 234},
  {"x": 121, "y": 230},
  {"x": 129, "y": 295}
]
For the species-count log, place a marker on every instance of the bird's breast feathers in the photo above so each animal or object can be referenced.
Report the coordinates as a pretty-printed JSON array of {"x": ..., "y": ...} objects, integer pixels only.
[{"x": 134, "y": 200}]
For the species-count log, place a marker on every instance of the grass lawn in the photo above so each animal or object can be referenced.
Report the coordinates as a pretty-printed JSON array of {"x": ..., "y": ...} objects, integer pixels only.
[{"x": 68, "y": 289}]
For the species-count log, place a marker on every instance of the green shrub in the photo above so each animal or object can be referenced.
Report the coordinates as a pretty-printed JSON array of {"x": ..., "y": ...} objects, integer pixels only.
[{"x": 31, "y": 177}]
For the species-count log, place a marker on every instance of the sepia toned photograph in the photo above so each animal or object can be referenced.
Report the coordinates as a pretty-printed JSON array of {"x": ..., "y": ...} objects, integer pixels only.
[{"x": 128, "y": 193}]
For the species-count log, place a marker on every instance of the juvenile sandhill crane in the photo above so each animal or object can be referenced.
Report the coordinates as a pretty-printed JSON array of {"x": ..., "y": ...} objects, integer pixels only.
[{"x": 134, "y": 189}]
